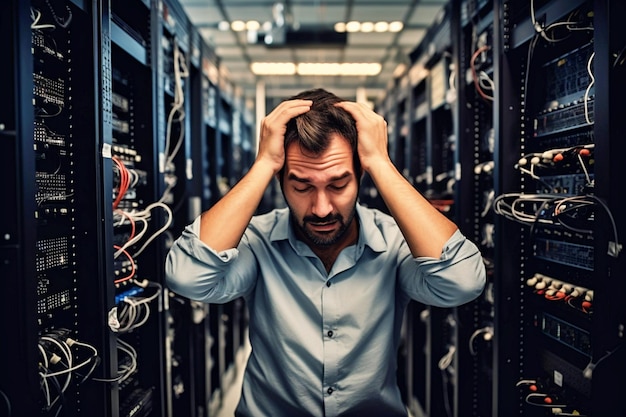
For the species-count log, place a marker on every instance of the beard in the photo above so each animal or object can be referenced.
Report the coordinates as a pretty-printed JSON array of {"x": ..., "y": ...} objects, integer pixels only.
[{"x": 323, "y": 239}]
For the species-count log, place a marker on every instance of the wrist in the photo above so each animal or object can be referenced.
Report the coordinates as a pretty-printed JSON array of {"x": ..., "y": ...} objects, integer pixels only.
[
  {"x": 376, "y": 164},
  {"x": 265, "y": 167}
]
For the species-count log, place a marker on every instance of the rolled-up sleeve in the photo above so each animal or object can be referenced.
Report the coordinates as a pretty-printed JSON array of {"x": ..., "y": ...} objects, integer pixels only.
[
  {"x": 456, "y": 277},
  {"x": 196, "y": 271}
]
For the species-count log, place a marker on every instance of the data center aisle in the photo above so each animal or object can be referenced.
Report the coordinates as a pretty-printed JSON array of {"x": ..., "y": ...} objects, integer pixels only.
[{"x": 232, "y": 394}]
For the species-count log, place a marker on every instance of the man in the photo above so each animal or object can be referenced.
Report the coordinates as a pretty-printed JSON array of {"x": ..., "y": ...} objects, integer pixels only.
[{"x": 326, "y": 280}]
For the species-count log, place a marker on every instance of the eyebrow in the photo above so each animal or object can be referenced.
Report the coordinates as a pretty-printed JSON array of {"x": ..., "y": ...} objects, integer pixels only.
[{"x": 294, "y": 177}]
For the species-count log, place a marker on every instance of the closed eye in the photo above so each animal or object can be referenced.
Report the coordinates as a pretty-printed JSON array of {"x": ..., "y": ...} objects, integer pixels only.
[
  {"x": 338, "y": 186},
  {"x": 302, "y": 190}
]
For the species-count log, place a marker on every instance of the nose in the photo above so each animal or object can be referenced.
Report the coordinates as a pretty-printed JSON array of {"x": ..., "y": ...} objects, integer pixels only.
[{"x": 321, "y": 205}]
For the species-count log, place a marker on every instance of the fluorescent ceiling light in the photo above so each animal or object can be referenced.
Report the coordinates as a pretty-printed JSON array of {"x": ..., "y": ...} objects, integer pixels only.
[
  {"x": 316, "y": 68},
  {"x": 273, "y": 68},
  {"x": 381, "y": 27},
  {"x": 344, "y": 69},
  {"x": 367, "y": 27},
  {"x": 238, "y": 25},
  {"x": 395, "y": 26},
  {"x": 253, "y": 25},
  {"x": 353, "y": 26},
  {"x": 340, "y": 27}
]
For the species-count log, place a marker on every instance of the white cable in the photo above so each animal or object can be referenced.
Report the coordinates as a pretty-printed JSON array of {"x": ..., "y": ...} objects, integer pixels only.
[
  {"x": 167, "y": 224},
  {"x": 586, "y": 100},
  {"x": 446, "y": 360},
  {"x": 487, "y": 330},
  {"x": 540, "y": 395}
]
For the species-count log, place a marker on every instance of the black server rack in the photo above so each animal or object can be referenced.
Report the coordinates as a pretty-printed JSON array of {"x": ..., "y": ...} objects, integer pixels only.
[
  {"x": 110, "y": 120},
  {"x": 558, "y": 324},
  {"x": 54, "y": 296},
  {"x": 428, "y": 158},
  {"x": 534, "y": 94},
  {"x": 474, "y": 91},
  {"x": 434, "y": 158},
  {"x": 139, "y": 206},
  {"x": 178, "y": 60}
]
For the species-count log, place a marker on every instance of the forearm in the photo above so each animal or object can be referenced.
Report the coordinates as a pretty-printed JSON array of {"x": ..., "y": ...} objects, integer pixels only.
[
  {"x": 223, "y": 224},
  {"x": 424, "y": 227}
]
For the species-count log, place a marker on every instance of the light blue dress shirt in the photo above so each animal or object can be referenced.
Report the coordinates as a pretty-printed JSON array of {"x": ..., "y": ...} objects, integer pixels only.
[{"x": 323, "y": 344}]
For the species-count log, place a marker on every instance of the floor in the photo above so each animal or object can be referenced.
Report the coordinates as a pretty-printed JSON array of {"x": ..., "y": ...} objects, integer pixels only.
[{"x": 232, "y": 393}]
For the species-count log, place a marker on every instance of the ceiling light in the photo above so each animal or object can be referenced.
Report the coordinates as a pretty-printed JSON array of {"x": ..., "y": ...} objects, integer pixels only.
[
  {"x": 273, "y": 68},
  {"x": 345, "y": 69},
  {"x": 317, "y": 68},
  {"x": 381, "y": 27},
  {"x": 367, "y": 27},
  {"x": 353, "y": 26},
  {"x": 223, "y": 25},
  {"x": 252, "y": 25},
  {"x": 395, "y": 26},
  {"x": 340, "y": 27},
  {"x": 238, "y": 25}
]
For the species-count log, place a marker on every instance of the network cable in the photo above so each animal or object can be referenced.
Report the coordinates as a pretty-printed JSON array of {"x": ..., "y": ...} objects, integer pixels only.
[
  {"x": 133, "y": 311},
  {"x": 56, "y": 365}
]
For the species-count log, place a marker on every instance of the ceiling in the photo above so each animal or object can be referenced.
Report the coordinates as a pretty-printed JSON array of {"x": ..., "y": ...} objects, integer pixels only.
[{"x": 308, "y": 17}]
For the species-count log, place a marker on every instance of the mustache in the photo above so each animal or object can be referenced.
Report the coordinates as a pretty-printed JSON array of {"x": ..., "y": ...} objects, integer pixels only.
[{"x": 326, "y": 219}]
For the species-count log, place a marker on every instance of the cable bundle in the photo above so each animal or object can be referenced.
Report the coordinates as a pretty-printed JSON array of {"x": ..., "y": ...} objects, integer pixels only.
[
  {"x": 133, "y": 311},
  {"x": 57, "y": 365}
]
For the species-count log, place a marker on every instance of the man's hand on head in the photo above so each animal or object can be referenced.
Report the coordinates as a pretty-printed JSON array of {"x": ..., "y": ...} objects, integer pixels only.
[
  {"x": 273, "y": 128},
  {"x": 372, "y": 132}
]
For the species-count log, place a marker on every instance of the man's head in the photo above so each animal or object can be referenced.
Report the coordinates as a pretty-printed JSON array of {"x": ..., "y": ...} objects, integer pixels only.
[
  {"x": 321, "y": 174},
  {"x": 311, "y": 130}
]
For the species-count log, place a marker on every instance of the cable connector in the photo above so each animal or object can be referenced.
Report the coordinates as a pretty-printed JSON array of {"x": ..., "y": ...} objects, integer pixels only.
[
  {"x": 614, "y": 249},
  {"x": 54, "y": 359},
  {"x": 143, "y": 283}
]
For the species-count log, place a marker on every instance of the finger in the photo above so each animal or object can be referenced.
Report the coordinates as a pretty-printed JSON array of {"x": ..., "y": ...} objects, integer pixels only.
[
  {"x": 287, "y": 110},
  {"x": 354, "y": 107},
  {"x": 361, "y": 112}
]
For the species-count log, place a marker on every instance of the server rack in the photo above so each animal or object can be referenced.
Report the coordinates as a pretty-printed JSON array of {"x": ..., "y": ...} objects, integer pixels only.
[
  {"x": 59, "y": 329},
  {"x": 96, "y": 123},
  {"x": 557, "y": 317},
  {"x": 18, "y": 167},
  {"x": 536, "y": 116},
  {"x": 180, "y": 54},
  {"x": 473, "y": 57},
  {"x": 431, "y": 167}
]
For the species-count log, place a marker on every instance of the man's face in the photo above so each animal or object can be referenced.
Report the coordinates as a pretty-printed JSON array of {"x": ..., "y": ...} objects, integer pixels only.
[{"x": 321, "y": 192}]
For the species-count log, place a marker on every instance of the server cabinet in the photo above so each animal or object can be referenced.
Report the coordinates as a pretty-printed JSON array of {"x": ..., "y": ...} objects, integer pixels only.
[
  {"x": 106, "y": 162},
  {"x": 431, "y": 153},
  {"x": 57, "y": 255},
  {"x": 140, "y": 213},
  {"x": 475, "y": 92},
  {"x": 558, "y": 324}
]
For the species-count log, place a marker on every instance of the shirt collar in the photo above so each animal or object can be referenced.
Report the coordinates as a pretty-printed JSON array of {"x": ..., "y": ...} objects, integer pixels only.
[{"x": 368, "y": 236}]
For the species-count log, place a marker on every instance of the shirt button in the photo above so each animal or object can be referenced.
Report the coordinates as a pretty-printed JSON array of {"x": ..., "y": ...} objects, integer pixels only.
[
  {"x": 330, "y": 333},
  {"x": 328, "y": 283},
  {"x": 330, "y": 390}
]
